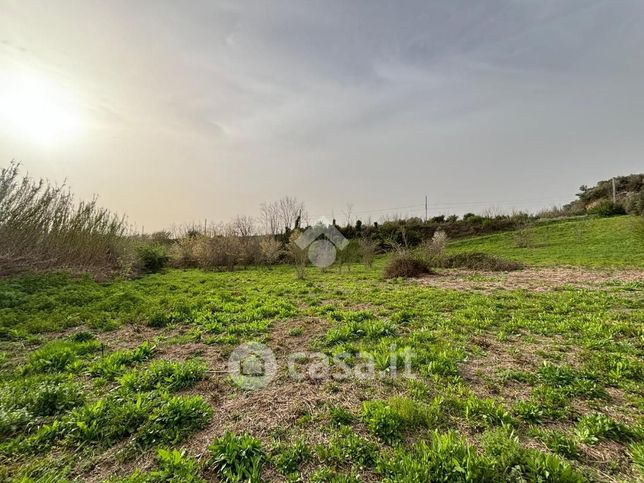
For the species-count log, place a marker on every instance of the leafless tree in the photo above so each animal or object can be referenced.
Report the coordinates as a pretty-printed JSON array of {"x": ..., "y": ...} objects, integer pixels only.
[
  {"x": 243, "y": 226},
  {"x": 291, "y": 212},
  {"x": 298, "y": 255},
  {"x": 283, "y": 214},
  {"x": 348, "y": 214},
  {"x": 270, "y": 217}
]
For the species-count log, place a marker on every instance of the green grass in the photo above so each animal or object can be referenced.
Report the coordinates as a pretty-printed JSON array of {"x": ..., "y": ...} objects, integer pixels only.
[
  {"x": 508, "y": 385},
  {"x": 591, "y": 242}
]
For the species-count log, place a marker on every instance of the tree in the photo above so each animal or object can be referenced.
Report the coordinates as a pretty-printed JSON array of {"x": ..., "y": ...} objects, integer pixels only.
[
  {"x": 283, "y": 215},
  {"x": 243, "y": 226},
  {"x": 348, "y": 215}
]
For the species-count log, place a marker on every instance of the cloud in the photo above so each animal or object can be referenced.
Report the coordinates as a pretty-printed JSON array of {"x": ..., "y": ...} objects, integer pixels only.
[{"x": 380, "y": 100}]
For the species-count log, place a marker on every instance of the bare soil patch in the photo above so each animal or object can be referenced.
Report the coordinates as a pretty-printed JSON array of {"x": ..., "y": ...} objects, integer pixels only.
[
  {"x": 129, "y": 336},
  {"x": 481, "y": 371},
  {"x": 534, "y": 279}
]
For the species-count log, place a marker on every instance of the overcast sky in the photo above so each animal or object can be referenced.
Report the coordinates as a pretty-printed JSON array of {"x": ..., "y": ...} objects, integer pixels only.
[{"x": 179, "y": 111}]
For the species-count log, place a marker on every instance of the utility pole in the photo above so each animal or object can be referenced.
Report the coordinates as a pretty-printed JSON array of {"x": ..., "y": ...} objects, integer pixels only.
[
  {"x": 425, "y": 208},
  {"x": 614, "y": 193}
]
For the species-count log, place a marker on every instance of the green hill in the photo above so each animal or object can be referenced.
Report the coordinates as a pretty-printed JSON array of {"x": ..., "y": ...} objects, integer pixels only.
[{"x": 595, "y": 242}]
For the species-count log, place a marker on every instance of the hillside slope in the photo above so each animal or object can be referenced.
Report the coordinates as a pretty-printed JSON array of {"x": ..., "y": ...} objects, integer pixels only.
[{"x": 593, "y": 242}]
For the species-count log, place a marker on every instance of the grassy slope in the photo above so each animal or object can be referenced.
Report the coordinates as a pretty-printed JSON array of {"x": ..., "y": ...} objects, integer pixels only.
[{"x": 595, "y": 242}]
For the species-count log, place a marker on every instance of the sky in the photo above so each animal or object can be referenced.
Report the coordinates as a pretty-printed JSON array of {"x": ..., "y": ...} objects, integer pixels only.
[{"x": 175, "y": 112}]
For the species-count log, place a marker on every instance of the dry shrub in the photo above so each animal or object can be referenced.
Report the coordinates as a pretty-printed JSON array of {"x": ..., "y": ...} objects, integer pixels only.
[
  {"x": 407, "y": 266},
  {"x": 183, "y": 253},
  {"x": 480, "y": 261},
  {"x": 270, "y": 250},
  {"x": 43, "y": 227},
  {"x": 434, "y": 249},
  {"x": 298, "y": 256}
]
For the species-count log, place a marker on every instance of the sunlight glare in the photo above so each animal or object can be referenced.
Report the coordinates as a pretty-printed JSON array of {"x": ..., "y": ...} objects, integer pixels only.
[{"x": 38, "y": 111}]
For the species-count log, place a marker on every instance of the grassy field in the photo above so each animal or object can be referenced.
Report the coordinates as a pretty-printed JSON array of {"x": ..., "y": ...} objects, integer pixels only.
[
  {"x": 128, "y": 380},
  {"x": 595, "y": 242}
]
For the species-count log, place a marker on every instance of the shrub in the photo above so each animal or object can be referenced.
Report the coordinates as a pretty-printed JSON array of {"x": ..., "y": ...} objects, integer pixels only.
[
  {"x": 523, "y": 238},
  {"x": 634, "y": 203},
  {"x": 297, "y": 255},
  {"x": 152, "y": 258},
  {"x": 43, "y": 227},
  {"x": 480, "y": 261},
  {"x": 348, "y": 255},
  {"x": 434, "y": 249},
  {"x": 270, "y": 250},
  {"x": 606, "y": 208},
  {"x": 407, "y": 266},
  {"x": 237, "y": 458},
  {"x": 367, "y": 250}
]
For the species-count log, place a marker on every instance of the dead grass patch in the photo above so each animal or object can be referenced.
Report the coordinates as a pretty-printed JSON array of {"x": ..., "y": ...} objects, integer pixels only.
[{"x": 533, "y": 279}]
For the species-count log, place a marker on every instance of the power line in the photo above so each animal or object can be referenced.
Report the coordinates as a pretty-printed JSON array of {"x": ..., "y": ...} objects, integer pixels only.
[{"x": 420, "y": 208}]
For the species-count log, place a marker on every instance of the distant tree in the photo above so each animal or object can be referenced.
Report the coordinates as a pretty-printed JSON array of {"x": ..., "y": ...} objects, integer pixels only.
[
  {"x": 243, "y": 226},
  {"x": 348, "y": 214},
  {"x": 281, "y": 216}
]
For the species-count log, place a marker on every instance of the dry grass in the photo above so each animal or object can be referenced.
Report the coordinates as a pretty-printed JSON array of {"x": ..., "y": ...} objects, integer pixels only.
[
  {"x": 533, "y": 279},
  {"x": 406, "y": 266},
  {"x": 43, "y": 227}
]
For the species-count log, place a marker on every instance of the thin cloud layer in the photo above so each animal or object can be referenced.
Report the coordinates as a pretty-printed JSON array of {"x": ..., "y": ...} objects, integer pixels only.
[{"x": 206, "y": 109}]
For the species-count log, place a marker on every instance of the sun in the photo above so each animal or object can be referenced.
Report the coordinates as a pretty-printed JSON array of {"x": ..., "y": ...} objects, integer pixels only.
[{"x": 38, "y": 111}]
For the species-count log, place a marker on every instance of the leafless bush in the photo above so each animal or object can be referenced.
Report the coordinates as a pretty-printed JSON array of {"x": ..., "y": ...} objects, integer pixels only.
[
  {"x": 270, "y": 250},
  {"x": 297, "y": 255},
  {"x": 404, "y": 264},
  {"x": 43, "y": 227},
  {"x": 222, "y": 248}
]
